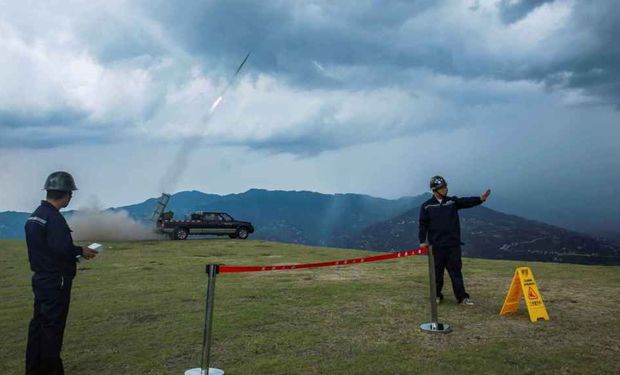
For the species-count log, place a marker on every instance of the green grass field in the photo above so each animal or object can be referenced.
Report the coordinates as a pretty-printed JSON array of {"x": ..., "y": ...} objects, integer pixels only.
[{"x": 139, "y": 309}]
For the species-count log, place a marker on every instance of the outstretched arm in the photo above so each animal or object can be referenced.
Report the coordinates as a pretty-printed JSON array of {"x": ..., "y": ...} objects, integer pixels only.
[{"x": 472, "y": 201}]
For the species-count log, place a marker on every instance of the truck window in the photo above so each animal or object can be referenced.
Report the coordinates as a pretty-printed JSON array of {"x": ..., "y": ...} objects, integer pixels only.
[{"x": 226, "y": 217}]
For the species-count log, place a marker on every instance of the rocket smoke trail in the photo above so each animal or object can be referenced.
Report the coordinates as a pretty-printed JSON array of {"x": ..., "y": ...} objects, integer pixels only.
[
  {"x": 179, "y": 164},
  {"x": 93, "y": 223}
]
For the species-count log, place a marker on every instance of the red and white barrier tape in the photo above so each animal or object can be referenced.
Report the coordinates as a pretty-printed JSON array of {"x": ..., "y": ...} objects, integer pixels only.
[{"x": 236, "y": 269}]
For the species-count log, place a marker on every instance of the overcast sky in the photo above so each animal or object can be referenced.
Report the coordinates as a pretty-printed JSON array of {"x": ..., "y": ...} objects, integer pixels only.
[{"x": 359, "y": 96}]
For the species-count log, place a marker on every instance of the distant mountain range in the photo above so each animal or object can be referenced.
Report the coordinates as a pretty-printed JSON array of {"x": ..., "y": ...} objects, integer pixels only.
[
  {"x": 365, "y": 222},
  {"x": 491, "y": 234},
  {"x": 289, "y": 216},
  {"x": 12, "y": 224}
]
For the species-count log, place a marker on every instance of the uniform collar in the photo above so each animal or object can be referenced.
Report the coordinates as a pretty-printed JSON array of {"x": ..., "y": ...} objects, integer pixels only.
[{"x": 48, "y": 204}]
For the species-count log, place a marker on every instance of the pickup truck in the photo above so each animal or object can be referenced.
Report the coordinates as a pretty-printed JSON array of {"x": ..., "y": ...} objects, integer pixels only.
[{"x": 201, "y": 223}]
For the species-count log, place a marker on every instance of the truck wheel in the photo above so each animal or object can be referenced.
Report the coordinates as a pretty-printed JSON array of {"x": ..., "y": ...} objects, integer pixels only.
[
  {"x": 180, "y": 234},
  {"x": 242, "y": 233}
]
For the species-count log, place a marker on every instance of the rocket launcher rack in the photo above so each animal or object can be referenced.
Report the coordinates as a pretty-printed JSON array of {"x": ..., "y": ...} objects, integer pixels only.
[{"x": 162, "y": 202}]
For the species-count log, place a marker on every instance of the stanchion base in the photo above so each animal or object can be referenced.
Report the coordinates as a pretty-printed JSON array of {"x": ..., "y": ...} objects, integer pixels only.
[
  {"x": 435, "y": 328},
  {"x": 198, "y": 371}
]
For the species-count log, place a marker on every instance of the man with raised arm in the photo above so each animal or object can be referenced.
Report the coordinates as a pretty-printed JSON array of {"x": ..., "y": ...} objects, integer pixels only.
[{"x": 440, "y": 227}]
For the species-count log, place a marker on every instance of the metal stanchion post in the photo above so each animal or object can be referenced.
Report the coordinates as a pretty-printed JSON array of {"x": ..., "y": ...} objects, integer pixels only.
[
  {"x": 212, "y": 271},
  {"x": 433, "y": 326}
]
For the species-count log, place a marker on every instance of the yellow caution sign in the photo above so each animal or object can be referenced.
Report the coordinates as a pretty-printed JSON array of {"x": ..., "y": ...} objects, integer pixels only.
[{"x": 523, "y": 283}]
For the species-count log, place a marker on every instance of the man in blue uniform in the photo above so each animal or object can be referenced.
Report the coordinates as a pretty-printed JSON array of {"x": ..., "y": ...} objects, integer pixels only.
[
  {"x": 52, "y": 257},
  {"x": 440, "y": 227}
]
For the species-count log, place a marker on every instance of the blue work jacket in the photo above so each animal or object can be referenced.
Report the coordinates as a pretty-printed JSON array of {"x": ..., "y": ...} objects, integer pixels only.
[
  {"x": 50, "y": 245},
  {"x": 439, "y": 222}
]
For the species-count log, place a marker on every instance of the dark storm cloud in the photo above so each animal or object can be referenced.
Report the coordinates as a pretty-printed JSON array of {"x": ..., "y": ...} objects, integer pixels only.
[
  {"x": 29, "y": 119},
  {"x": 596, "y": 70},
  {"x": 287, "y": 37},
  {"x": 51, "y": 129},
  {"x": 313, "y": 47},
  {"x": 49, "y": 137},
  {"x": 511, "y": 11}
]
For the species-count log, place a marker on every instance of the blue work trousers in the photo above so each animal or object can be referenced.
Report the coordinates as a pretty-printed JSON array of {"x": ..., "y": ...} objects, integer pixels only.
[
  {"x": 449, "y": 257},
  {"x": 52, "y": 295}
]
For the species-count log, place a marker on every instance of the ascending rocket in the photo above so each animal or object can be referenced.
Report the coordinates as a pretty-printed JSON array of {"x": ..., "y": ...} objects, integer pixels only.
[
  {"x": 217, "y": 101},
  {"x": 243, "y": 62}
]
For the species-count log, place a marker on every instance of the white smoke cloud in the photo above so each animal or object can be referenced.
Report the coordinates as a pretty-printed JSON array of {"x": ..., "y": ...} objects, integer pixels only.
[{"x": 96, "y": 225}]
